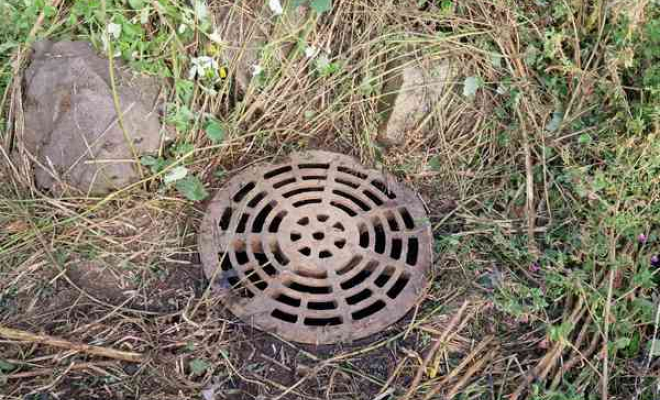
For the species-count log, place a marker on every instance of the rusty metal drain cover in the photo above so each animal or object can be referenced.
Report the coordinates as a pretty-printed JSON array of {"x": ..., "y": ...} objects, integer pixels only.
[{"x": 317, "y": 249}]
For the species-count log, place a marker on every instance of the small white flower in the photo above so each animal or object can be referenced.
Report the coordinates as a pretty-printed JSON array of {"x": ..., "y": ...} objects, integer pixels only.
[
  {"x": 114, "y": 30},
  {"x": 256, "y": 69},
  {"x": 182, "y": 29},
  {"x": 215, "y": 37},
  {"x": 276, "y": 7},
  {"x": 104, "y": 41},
  {"x": 311, "y": 51},
  {"x": 203, "y": 66},
  {"x": 323, "y": 61},
  {"x": 201, "y": 10}
]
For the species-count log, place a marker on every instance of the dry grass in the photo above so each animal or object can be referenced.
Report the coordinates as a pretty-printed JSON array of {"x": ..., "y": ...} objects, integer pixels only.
[{"x": 121, "y": 272}]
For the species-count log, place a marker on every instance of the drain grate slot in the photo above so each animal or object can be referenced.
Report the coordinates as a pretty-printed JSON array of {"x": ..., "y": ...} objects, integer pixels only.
[
  {"x": 240, "y": 195},
  {"x": 301, "y": 203},
  {"x": 322, "y": 305},
  {"x": 256, "y": 199},
  {"x": 242, "y": 224},
  {"x": 380, "y": 185},
  {"x": 361, "y": 296},
  {"x": 225, "y": 219},
  {"x": 354, "y": 262},
  {"x": 314, "y": 166},
  {"x": 413, "y": 248},
  {"x": 322, "y": 321},
  {"x": 278, "y": 171},
  {"x": 284, "y": 316},
  {"x": 283, "y": 183},
  {"x": 361, "y": 204},
  {"x": 290, "y": 301},
  {"x": 260, "y": 220},
  {"x": 407, "y": 219},
  {"x": 344, "y": 208},
  {"x": 296, "y": 192},
  {"x": 369, "y": 310},
  {"x": 352, "y": 172},
  {"x": 317, "y": 248},
  {"x": 299, "y": 287},
  {"x": 398, "y": 287}
]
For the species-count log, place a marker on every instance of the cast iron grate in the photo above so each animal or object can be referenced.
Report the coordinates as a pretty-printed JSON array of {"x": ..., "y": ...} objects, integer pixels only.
[{"x": 317, "y": 249}]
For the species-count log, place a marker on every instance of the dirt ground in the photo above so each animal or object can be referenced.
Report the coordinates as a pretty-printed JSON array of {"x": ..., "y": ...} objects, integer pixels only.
[
  {"x": 193, "y": 345},
  {"x": 537, "y": 160}
]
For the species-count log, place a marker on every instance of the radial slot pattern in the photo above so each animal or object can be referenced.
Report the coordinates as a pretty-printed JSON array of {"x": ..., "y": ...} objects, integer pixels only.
[{"x": 317, "y": 249}]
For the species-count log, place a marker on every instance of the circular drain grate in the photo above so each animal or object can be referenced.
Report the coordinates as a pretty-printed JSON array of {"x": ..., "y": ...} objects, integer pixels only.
[{"x": 317, "y": 249}]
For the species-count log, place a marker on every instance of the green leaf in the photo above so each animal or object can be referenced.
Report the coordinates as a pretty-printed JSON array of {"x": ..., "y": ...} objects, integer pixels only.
[
  {"x": 555, "y": 122},
  {"x": 175, "y": 174},
  {"x": 136, "y": 4},
  {"x": 198, "y": 367},
  {"x": 585, "y": 139},
  {"x": 192, "y": 188},
  {"x": 215, "y": 131},
  {"x": 633, "y": 349},
  {"x": 148, "y": 161},
  {"x": 621, "y": 343},
  {"x": 321, "y": 6},
  {"x": 183, "y": 148},
  {"x": 471, "y": 85},
  {"x": 435, "y": 163},
  {"x": 220, "y": 173},
  {"x": 6, "y": 367}
]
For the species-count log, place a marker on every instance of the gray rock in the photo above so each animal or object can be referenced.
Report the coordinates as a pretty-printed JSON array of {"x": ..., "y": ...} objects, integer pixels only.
[
  {"x": 71, "y": 127},
  {"x": 412, "y": 90}
]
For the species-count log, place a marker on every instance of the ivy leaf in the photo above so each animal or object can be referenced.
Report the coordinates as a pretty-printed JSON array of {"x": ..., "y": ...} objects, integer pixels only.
[
  {"x": 148, "y": 161},
  {"x": 6, "y": 367},
  {"x": 136, "y": 4},
  {"x": 471, "y": 85},
  {"x": 175, "y": 174},
  {"x": 198, "y": 367},
  {"x": 435, "y": 163},
  {"x": 215, "y": 131},
  {"x": 555, "y": 122},
  {"x": 321, "y": 6},
  {"x": 192, "y": 188}
]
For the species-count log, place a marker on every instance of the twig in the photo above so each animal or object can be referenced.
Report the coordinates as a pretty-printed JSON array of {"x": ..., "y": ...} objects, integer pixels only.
[
  {"x": 15, "y": 334},
  {"x": 384, "y": 394},
  {"x": 608, "y": 307},
  {"x": 531, "y": 211},
  {"x": 473, "y": 354},
  {"x": 50, "y": 371},
  {"x": 547, "y": 362},
  {"x": 115, "y": 98},
  {"x": 441, "y": 340},
  {"x": 470, "y": 372},
  {"x": 652, "y": 350}
]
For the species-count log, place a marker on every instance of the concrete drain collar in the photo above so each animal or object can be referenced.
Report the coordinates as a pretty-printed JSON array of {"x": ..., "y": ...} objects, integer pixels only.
[{"x": 317, "y": 249}]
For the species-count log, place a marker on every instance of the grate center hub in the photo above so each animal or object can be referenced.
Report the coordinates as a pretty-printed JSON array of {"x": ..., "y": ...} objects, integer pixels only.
[{"x": 321, "y": 235}]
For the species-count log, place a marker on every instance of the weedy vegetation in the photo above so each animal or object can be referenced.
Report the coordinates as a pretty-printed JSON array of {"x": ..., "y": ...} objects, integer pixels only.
[{"x": 541, "y": 170}]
